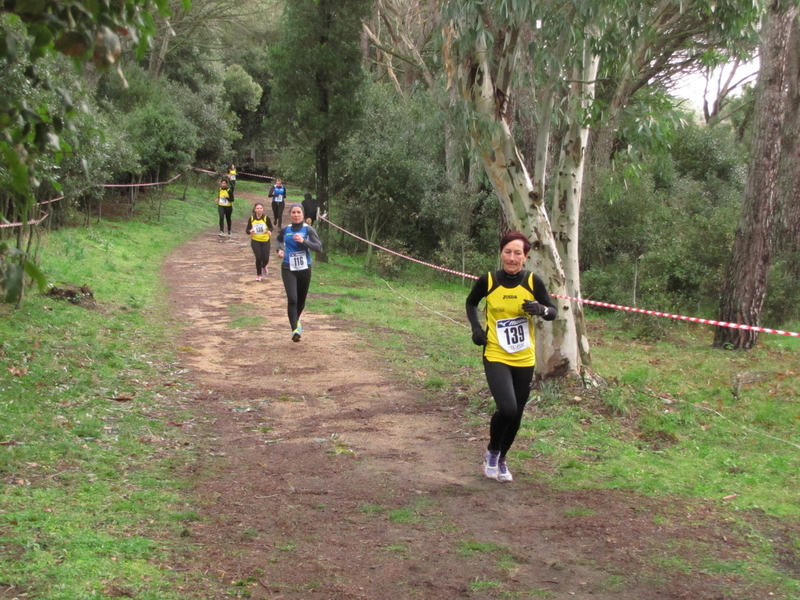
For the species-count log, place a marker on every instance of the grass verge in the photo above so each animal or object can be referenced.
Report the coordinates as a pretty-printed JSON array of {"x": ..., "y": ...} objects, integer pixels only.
[{"x": 90, "y": 505}]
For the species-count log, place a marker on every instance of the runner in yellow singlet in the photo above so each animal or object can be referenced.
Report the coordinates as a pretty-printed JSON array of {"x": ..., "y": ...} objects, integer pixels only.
[
  {"x": 259, "y": 228},
  {"x": 224, "y": 206},
  {"x": 513, "y": 296}
]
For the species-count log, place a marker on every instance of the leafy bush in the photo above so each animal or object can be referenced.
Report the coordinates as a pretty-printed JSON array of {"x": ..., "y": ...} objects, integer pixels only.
[
  {"x": 663, "y": 240},
  {"x": 388, "y": 168},
  {"x": 171, "y": 124}
]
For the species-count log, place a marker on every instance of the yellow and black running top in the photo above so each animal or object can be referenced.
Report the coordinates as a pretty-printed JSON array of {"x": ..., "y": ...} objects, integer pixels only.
[
  {"x": 224, "y": 197},
  {"x": 259, "y": 228},
  {"x": 509, "y": 330}
]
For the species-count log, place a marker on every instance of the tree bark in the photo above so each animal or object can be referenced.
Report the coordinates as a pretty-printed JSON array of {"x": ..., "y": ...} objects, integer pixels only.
[
  {"x": 569, "y": 187},
  {"x": 745, "y": 283},
  {"x": 787, "y": 233},
  {"x": 322, "y": 160}
]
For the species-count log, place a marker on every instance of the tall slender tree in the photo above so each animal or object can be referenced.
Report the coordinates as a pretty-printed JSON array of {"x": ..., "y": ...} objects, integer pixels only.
[
  {"x": 745, "y": 284},
  {"x": 316, "y": 72},
  {"x": 481, "y": 47},
  {"x": 787, "y": 231}
]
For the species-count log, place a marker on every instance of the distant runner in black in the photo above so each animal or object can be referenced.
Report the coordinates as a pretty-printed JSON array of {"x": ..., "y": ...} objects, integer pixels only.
[{"x": 310, "y": 208}]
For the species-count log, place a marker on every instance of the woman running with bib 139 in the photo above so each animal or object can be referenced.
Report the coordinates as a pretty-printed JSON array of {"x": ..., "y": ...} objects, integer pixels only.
[
  {"x": 295, "y": 242},
  {"x": 513, "y": 296}
]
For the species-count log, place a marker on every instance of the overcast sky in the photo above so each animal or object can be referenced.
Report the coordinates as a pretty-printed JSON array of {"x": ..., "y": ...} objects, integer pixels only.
[{"x": 692, "y": 86}]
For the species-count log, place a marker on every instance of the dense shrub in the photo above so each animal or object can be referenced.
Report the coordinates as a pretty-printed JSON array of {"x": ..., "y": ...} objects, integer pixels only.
[{"x": 662, "y": 241}]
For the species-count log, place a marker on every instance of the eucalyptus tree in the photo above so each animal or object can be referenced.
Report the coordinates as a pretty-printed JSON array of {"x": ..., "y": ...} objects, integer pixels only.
[
  {"x": 404, "y": 37},
  {"x": 787, "y": 226},
  {"x": 745, "y": 286},
  {"x": 316, "y": 72},
  {"x": 481, "y": 45},
  {"x": 592, "y": 60},
  {"x": 403, "y": 33}
]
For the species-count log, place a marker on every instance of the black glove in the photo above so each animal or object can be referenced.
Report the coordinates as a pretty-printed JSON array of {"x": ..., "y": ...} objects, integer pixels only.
[
  {"x": 478, "y": 337},
  {"x": 533, "y": 308}
]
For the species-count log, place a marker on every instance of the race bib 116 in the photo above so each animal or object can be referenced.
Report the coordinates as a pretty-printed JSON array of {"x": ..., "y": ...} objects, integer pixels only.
[{"x": 298, "y": 261}]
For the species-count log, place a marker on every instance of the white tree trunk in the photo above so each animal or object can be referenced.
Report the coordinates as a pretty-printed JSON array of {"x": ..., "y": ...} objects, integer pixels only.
[{"x": 569, "y": 188}]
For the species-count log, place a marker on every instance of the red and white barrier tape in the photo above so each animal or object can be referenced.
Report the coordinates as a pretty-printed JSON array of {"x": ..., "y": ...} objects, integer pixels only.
[
  {"x": 31, "y": 222},
  {"x": 592, "y": 302},
  {"x": 256, "y": 175},
  {"x": 51, "y": 200},
  {"x": 199, "y": 170},
  {"x": 116, "y": 185},
  {"x": 397, "y": 253},
  {"x": 106, "y": 185},
  {"x": 684, "y": 318},
  {"x": 238, "y": 173}
]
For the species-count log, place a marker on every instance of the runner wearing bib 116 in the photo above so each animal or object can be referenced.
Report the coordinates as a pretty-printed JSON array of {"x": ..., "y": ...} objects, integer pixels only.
[
  {"x": 295, "y": 243},
  {"x": 513, "y": 297}
]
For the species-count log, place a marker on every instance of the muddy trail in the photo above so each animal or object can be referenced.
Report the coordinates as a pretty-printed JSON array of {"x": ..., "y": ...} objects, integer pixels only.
[{"x": 325, "y": 477}]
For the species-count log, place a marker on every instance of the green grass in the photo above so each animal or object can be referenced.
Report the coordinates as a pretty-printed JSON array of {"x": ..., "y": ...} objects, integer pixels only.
[{"x": 87, "y": 456}]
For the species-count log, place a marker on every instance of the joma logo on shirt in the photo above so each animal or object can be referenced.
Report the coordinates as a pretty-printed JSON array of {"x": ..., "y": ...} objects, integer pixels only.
[{"x": 509, "y": 297}]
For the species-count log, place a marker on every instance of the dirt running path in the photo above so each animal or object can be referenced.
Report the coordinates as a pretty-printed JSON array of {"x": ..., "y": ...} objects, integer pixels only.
[{"x": 327, "y": 478}]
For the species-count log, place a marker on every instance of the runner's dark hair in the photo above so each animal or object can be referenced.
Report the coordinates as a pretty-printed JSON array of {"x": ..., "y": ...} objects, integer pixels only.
[{"x": 516, "y": 235}]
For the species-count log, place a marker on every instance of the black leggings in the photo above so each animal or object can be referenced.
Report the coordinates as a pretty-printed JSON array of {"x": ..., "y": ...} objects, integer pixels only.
[
  {"x": 261, "y": 250},
  {"x": 510, "y": 388},
  {"x": 296, "y": 284},
  {"x": 277, "y": 213},
  {"x": 225, "y": 213}
]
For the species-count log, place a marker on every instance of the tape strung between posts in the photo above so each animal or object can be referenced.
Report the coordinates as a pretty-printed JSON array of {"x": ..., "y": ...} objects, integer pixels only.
[
  {"x": 592, "y": 302},
  {"x": 106, "y": 185},
  {"x": 199, "y": 170}
]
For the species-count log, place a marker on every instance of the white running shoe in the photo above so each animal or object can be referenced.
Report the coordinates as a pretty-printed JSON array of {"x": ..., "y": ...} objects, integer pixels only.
[
  {"x": 490, "y": 464},
  {"x": 221, "y": 234},
  {"x": 258, "y": 277},
  {"x": 503, "y": 474}
]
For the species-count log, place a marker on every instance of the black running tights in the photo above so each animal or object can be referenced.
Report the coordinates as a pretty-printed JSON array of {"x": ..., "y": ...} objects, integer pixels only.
[
  {"x": 296, "y": 284},
  {"x": 225, "y": 213},
  {"x": 277, "y": 213},
  {"x": 261, "y": 250},
  {"x": 510, "y": 388}
]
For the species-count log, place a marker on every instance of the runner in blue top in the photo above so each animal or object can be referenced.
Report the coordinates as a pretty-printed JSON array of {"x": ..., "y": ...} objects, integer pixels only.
[
  {"x": 278, "y": 194},
  {"x": 295, "y": 243}
]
